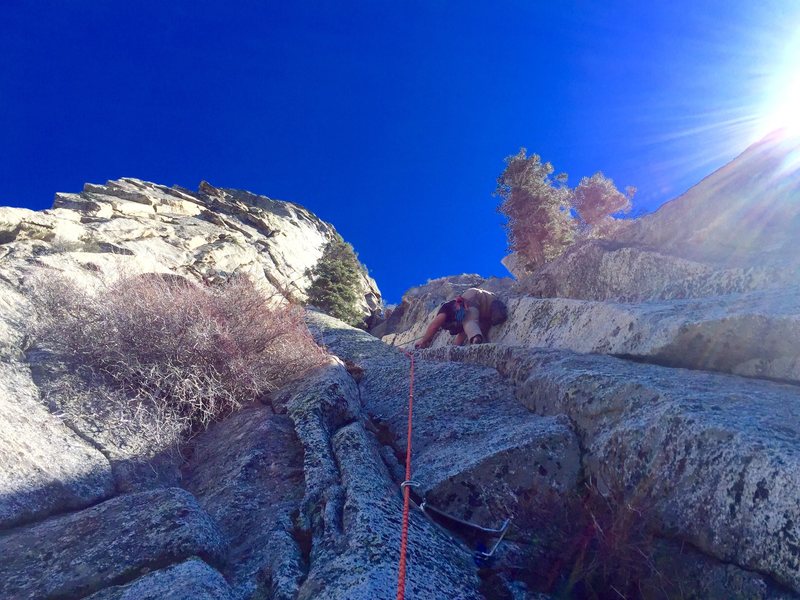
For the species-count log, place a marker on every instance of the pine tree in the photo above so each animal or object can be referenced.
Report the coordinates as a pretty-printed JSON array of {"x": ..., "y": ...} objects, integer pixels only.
[
  {"x": 336, "y": 282},
  {"x": 596, "y": 200},
  {"x": 544, "y": 216},
  {"x": 537, "y": 206}
]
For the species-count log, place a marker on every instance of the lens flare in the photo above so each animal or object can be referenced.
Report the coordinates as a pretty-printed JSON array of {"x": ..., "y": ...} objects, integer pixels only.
[
  {"x": 784, "y": 110},
  {"x": 782, "y": 105}
]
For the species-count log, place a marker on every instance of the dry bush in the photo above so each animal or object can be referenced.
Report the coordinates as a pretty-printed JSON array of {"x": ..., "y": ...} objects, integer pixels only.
[
  {"x": 590, "y": 544},
  {"x": 195, "y": 353}
]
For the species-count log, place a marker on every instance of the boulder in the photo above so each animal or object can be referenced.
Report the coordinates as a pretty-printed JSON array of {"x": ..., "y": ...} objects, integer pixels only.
[{"x": 111, "y": 543}]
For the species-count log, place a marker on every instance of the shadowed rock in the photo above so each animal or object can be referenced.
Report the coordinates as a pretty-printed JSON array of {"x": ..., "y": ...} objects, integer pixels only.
[
  {"x": 190, "y": 580},
  {"x": 108, "y": 544},
  {"x": 247, "y": 472},
  {"x": 44, "y": 467}
]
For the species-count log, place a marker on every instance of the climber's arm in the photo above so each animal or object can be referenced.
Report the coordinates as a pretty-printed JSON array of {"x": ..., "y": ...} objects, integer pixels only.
[{"x": 435, "y": 326}]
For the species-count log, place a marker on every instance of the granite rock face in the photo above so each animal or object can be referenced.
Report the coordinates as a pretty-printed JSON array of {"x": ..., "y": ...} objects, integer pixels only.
[
  {"x": 124, "y": 228},
  {"x": 710, "y": 281},
  {"x": 298, "y": 496},
  {"x": 716, "y": 455},
  {"x": 45, "y": 468},
  {"x": 247, "y": 473},
  {"x": 734, "y": 232},
  {"x": 475, "y": 447},
  {"x": 138, "y": 445},
  {"x": 107, "y": 544},
  {"x": 689, "y": 445},
  {"x": 352, "y": 508},
  {"x": 609, "y": 270},
  {"x": 189, "y": 580},
  {"x": 65, "y": 447},
  {"x": 745, "y": 213},
  {"x": 477, "y": 456},
  {"x": 756, "y": 334}
]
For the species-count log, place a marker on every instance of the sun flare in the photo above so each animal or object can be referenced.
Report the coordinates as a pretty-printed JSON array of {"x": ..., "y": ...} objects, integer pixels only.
[
  {"x": 785, "y": 113},
  {"x": 782, "y": 106}
]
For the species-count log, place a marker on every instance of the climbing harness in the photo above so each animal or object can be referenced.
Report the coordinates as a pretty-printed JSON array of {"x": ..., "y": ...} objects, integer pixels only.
[{"x": 428, "y": 510}]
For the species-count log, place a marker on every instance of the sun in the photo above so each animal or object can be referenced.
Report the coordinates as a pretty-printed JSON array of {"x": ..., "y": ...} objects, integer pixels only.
[
  {"x": 785, "y": 112},
  {"x": 782, "y": 106}
]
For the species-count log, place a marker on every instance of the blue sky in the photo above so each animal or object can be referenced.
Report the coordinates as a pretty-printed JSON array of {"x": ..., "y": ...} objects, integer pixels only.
[{"x": 389, "y": 119}]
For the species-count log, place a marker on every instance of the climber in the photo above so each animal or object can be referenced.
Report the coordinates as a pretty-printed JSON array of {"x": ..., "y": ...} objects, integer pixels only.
[{"x": 468, "y": 317}]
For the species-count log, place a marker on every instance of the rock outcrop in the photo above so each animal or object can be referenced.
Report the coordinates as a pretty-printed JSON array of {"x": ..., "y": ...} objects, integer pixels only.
[{"x": 135, "y": 226}]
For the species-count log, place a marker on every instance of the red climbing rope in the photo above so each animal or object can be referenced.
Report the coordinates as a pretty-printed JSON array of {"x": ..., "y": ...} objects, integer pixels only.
[{"x": 401, "y": 577}]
